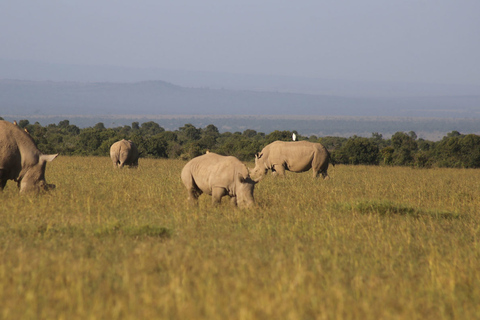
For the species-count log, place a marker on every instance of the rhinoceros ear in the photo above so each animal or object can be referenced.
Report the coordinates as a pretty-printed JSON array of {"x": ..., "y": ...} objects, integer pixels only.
[
  {"x": 48, "y": 157},
  {"x": 258, "y": 155}
]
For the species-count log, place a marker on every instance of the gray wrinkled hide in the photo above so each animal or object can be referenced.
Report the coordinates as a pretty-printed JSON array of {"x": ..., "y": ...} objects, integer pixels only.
[
  {"x": 20, "y": 159},
  {"x": 124, "y": 152},
  {"x": 218, "y": 176},
  {"x": 295, "y": 156}
]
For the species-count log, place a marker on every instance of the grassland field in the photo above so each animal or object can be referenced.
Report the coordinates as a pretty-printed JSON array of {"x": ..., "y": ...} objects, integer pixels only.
[{"x": 370, "y": 243}]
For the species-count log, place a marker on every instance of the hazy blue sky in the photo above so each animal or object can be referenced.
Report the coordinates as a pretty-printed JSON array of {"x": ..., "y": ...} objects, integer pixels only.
[{"x": 388, "y": 40}]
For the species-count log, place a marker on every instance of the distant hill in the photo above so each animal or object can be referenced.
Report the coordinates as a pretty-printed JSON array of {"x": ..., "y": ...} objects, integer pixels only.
[
  {"x": 42, "y": 71},
  {"x": 20, "y": 97}
]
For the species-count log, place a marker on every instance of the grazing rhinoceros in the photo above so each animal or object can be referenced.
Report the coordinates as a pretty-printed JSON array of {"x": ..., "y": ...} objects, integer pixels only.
[
  {"x": 218, "y": 176},
  {"x": 20, "y": 159},
  {"x": 295, "y": 156},
  {"x": 124, "y": 152}
]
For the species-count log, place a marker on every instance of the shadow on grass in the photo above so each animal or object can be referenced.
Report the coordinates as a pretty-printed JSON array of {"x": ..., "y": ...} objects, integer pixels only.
[
  {"x": 388, "y": 208},
  {"x": 133, "y": 231},
  {"x": 113, "y": 230}
]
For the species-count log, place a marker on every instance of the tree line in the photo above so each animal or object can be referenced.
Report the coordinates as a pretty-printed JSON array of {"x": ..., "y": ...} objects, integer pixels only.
[{"x": 455, "y": 150}]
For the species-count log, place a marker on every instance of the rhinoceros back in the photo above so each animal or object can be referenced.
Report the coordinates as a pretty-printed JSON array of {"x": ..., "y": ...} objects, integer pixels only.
[
  {"x": 218, "y": 176},
  {"x": 17, "y": 149},
  {"x": 20, "y": 159},
  {"x": 212, "y": 170},
  {"x": 295, "y": 156},
  {"x": 124, "y": 152}
]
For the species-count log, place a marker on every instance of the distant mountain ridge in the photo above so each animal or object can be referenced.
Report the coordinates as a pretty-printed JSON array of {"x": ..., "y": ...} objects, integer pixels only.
[
  {"x": 43, "y": 71},
  {"x": 22, "y": 97}
]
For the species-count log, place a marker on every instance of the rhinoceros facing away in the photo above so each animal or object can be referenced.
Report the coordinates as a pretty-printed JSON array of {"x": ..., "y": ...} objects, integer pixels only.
[
  {"x": 124, "y": 152},
  {"x": 218, "y": 176},
  {"x": 295, "y": 156},
  {"x": 20, "y": 159}
]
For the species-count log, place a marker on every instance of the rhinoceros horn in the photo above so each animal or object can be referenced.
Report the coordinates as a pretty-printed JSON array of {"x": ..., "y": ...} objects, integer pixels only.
[{"x": 48, "y": 157}]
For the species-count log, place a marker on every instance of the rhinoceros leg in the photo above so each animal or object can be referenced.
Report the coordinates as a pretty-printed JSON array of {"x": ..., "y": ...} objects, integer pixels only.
[
  {"x": 279, "y": 169},
  {"x": 217, "y": 194},
  {"x": 3, "y": 180},
  {"x": 233, "y": 201},
  {"x": 193, "y": 194},
  {"x": 320, "y": 163},
  {"x": 324, "y": 174}
]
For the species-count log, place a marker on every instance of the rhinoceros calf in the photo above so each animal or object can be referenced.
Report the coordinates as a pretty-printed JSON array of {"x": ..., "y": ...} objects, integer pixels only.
[
  {"x": 124, "y": 152},
  {"x": 218, "y": 176},
  {"x": 20, "y": 159},
  {"x": 295, "y": 156}
]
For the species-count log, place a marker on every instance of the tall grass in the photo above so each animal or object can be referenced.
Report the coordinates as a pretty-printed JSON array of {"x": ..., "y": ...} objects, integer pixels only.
[{"x": 370, "y": 243}]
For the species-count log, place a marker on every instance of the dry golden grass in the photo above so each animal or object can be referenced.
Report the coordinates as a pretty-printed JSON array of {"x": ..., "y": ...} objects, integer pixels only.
[{"x": 371, "y": 243}]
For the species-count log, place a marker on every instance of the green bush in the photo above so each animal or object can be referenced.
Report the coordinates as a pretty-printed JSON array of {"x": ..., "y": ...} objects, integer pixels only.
[
  {"x": 358, "y": 150},
  {"x": 402, "y": 149}
]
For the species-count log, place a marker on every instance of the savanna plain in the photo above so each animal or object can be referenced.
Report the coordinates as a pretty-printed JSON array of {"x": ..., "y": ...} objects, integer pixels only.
[{"x": 370, "y": 243}]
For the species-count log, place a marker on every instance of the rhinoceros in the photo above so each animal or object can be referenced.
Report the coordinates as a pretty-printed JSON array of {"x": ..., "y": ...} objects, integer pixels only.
[
  {"x": 218, "y": 176},
  {"x": 295, "y": 156},
  {"x": 20, "y": 159},
  {"x": 124, "y": 152}
]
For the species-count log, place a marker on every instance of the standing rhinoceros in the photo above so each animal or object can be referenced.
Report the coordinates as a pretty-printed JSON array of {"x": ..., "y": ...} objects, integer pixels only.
[
  {"x": 20, "y": 159},
  {"x": 295, "y": 156},
  {"x": 124, "y": 152},
  {"x": 218, "y": 176}
]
